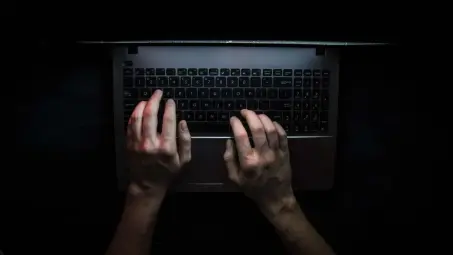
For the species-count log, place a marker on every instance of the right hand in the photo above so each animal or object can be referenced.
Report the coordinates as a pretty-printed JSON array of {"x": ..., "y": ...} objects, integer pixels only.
[{"x": 263, "y": 172}]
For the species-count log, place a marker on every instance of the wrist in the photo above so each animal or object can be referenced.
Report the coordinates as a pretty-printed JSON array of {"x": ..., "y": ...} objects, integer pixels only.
[
  {"x": 284, "y": 205},
  {"x": 146, "y": 192}
]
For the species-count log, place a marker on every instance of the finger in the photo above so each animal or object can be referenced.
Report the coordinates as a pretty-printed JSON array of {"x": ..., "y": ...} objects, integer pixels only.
[
  {"x": 185, "y": 150},
  {"x": 229, "y": 157},
  {"x": 241, "y": 138},
  {"x": 256, "y": 128},
  {"x": 283, "y": 141},
  {"x": 271, "y": 131},
  {"x": 150, "y": 117},
  {"x": 134, "y": 128},
  {"x": 168, "y": 135}
]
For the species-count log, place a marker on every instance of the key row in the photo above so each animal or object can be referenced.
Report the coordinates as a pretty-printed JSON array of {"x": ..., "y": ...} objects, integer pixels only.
[
  {"x": 198, "y": 81},
  {"x": 224, "y": 72}
]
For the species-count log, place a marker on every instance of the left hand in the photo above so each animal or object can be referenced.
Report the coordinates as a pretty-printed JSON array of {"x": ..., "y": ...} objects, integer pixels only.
[{"x": 155, "y": 158}]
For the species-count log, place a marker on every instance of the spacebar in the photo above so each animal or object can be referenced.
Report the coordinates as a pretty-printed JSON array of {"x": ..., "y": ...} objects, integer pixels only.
[{"x": 209, "y": 128}]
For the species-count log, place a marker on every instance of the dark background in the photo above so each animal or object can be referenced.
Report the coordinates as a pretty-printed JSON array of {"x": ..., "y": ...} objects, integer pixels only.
[{"x": 62, "y": 196}]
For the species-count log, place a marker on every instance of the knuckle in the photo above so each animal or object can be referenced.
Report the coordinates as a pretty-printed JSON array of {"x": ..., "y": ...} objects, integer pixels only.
[
  {"x": 257, "y": 129},
  {"x": 166, "y": 150}
]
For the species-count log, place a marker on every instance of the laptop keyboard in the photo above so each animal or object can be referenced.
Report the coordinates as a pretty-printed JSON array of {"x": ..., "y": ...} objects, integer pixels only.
[{"x": 206, "y": 98}]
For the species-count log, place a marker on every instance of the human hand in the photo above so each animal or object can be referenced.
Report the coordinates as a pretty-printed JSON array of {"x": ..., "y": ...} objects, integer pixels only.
[
  {"x": 155, "y": 158},
  {"x": 263, "y": 172}
]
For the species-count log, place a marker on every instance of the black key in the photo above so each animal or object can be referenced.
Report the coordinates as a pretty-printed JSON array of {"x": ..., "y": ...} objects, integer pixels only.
[
  {"x": 129, "y": 104},
  {"x": 213, "y": 71},
  {"x": 314, "y": 126},
  {"x": 170, "y": 71},
  {"x": 306, "y": 105},
  {"x": 128, "y": 82},
  {"x": 168, "y": 92},
  {"x": 325, "y": 82},
  {"x": 324, "y": 116},
  {"x": 162, "y": 81},
  {"x": 298, "y": 72},
  {"x": 305, "y": 118},
  {"x": 229, "y": 105},
  {"x": 261, "y": 93},
  {"x": 275, "y": 115},
  {"x": 267, "y": 72},
  {"x": 252, "y": 104},
  {"x": 150, "y": 71},
  {"x": 173, "y": 81},
  {"x": 182, "y": 71},
  {"x": 286, "y": 127},
  {"x": 256, "y": 72},
  {"x": 296, "y": 116},
  {"x": 315, "y": 94},
  {"x": 238, "y": 93},
  {"x": 224, "y": 71},
  {"x": 307, "y": 72},
  {"x": 325, "y": 100},
  {"x": 305, "y": 127},
  {"x": 214, "y": 93},
  {"x": 145, "y": 93},
  {"x": 202, "y": 71},
  {"x": 255, "y": 82},
  {"x": 306, "y": 94},
  {"x": 306, "y": 82},
  {"x": 218, "y": 104},
  {"x": 297, "y": 94},
  {"x": 130, "y": 93},
  {"x": 192, "y": 71},
  {"x": 212, "y": 116},
  {"x": 241, "y": 104},
  {"x": 128, "y": 71},
  {"x": 297, "y": 105},
  {"x": 325, "y": 72},
  {"x": 139, "y": 71},
  {"x": 209, "y": 127},
  {"x": 220, "y": 81},
  {"x": 267, "y": 82},
  {"x": 281, "y": 105},
  {"x": 316, "y": 83},
  {"x": 194, "y": 104},
  {"x": 180, "y": 93},
  {"x": 203, "y": 93},
  {"x": 245, "y": 72},
  {"x": 315, "y": 105},
  {"x": 160, "y": 71},
  {"x": 183, "y": 104},
  {"x": 223, "y": 116},
  {"x": 264, "y": 105},
  {"x": 287, "y": 72},
  {"x": 178, "y": 116},
  {"x": 188, "y": 116},
  {"x": 151, "y": 81},
  {"x": 283, "y": 82},
  {"x": 316, "y": 72},
  {"x": 249, "y": 93},
  {"x": 232, "y": 81},
  {"x": 186, "y": 81},
  {"x": 314, "y": 116},
  {"x": 208, "y": 81},
  {"x": 277, "y": 72},
  {"x": 323, "y": 126},
  {"x": 272, "y": 93},
  {"x": 139, "y": 82},
  {"x": 200, "y": 116},
  {"x": 285, "y": 93},
  {"x": 197, "y": 81},
  {"x": 235, "y": 72},
  {"x": 227, "y": 93},
  {"x": 191, "y": 93},
  {"x": 297, "y": 82},
  {"x": 206, "y": 105},
  {"x": 244, "y": 81}
]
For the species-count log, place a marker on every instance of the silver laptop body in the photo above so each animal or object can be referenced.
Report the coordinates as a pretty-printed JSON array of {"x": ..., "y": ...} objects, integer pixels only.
[{"x": 300, "y": 81}]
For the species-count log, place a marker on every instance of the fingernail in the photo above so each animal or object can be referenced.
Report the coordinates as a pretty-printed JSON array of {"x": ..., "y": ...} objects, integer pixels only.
[
  {"x": 170, "y": 101},
  {"x": 184, "y": 125}
]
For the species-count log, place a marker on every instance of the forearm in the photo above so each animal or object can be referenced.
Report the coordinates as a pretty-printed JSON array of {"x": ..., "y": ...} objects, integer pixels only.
[
  {"x": 295, "y": 230},
  {"x": 134, "y": 232}
]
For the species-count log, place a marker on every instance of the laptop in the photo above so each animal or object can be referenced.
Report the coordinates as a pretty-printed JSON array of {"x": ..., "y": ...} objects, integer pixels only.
[{"x": 294, "y": 83}]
